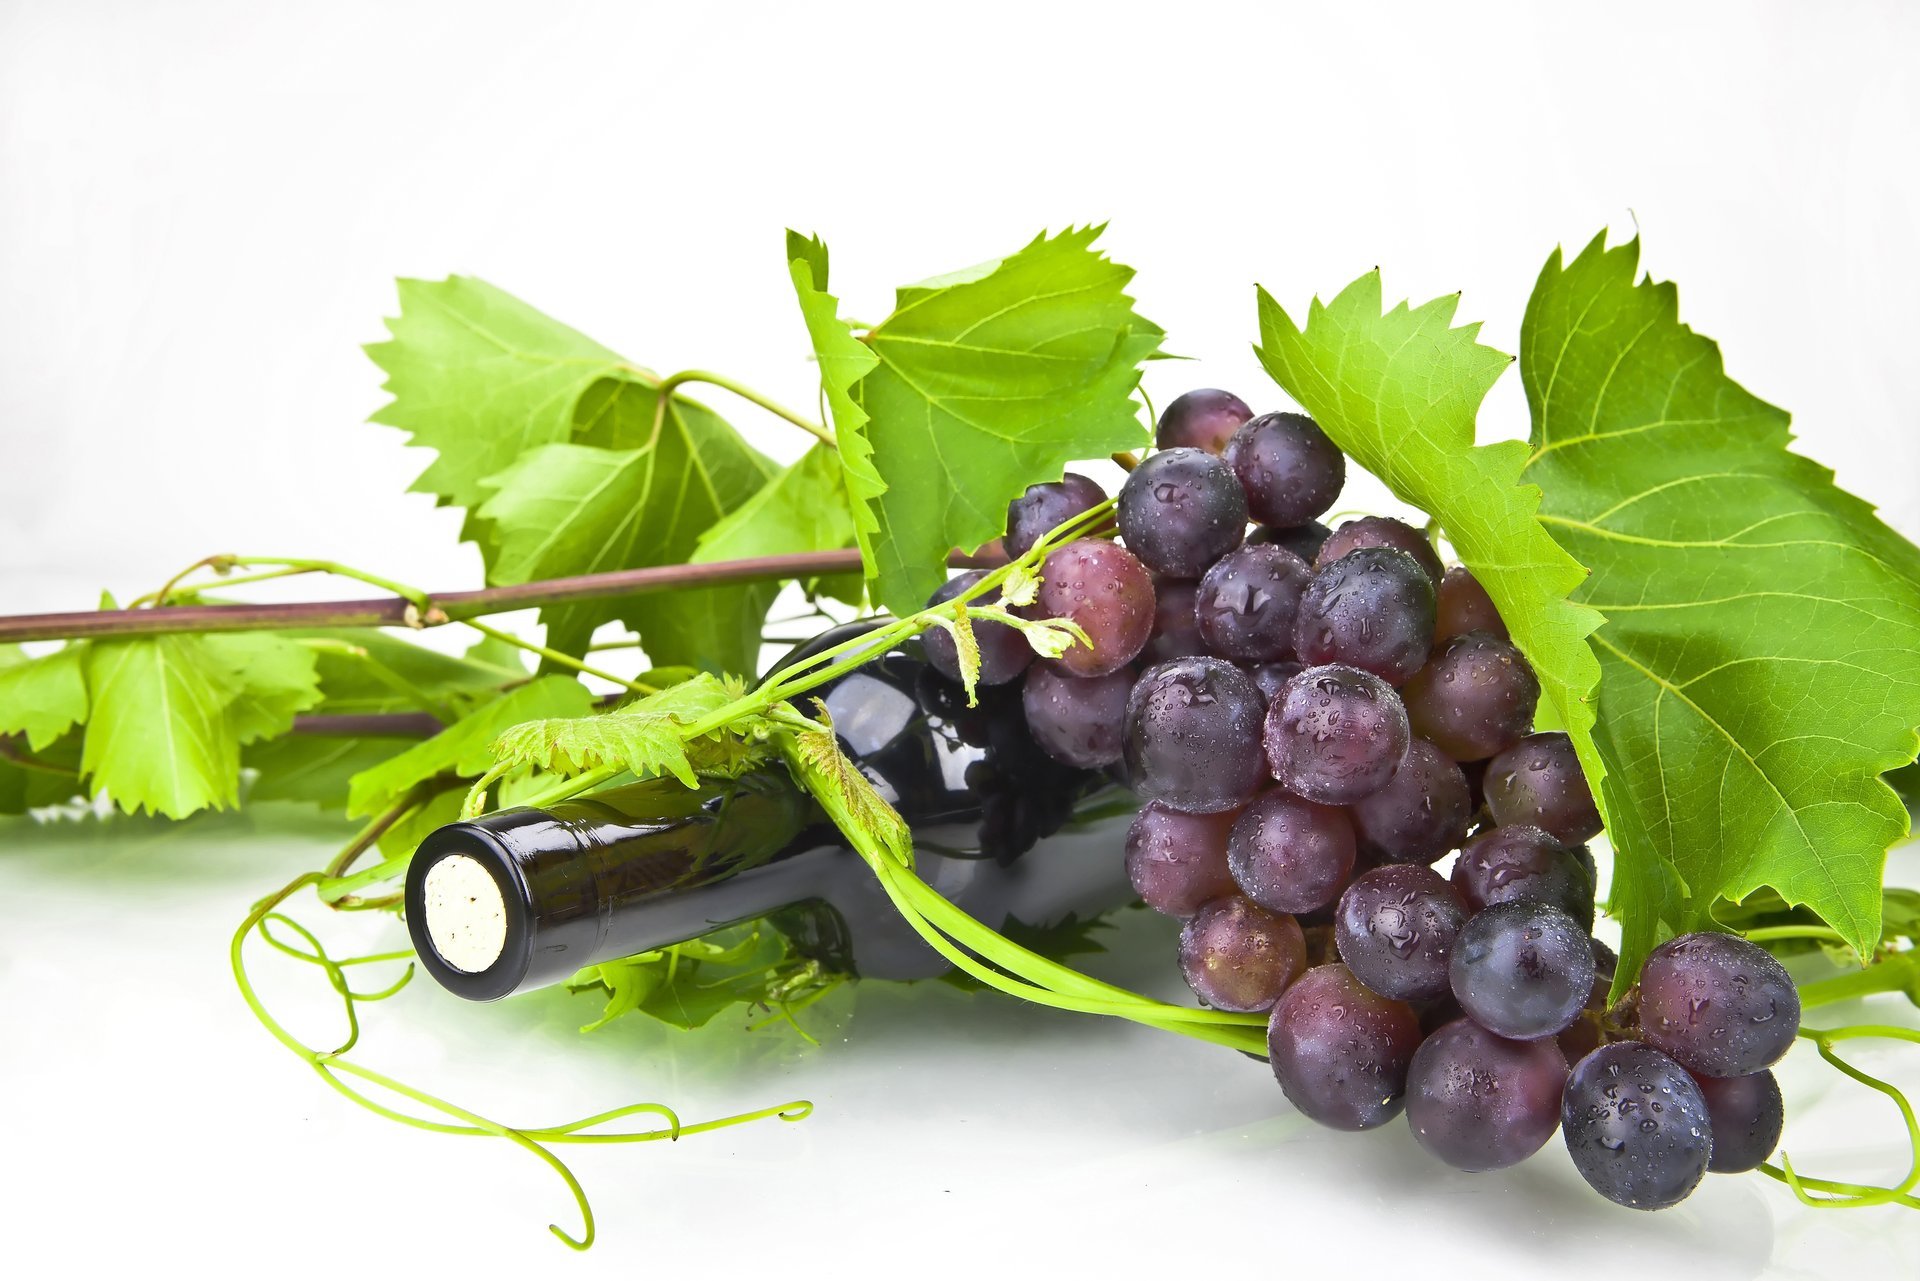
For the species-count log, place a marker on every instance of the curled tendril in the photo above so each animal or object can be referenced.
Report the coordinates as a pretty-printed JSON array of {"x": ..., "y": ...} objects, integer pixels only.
[
  {"x": 334, "y": 1069},
  {"x": 1830, "y": 1194}
]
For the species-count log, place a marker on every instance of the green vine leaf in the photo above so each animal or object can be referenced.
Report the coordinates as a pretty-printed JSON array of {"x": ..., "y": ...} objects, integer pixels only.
[
  {"x": 462, "y": 749},
  {"x": 1399, "y": 391},
  {"x": 42, "y": 698},
  {"x": 985, "y": 381},
  {"x": 802, "y": 509},
  {"x": 1761, "y": 654},
  {"x": 844, "y": 360},
  {"x": 646, "y": 737},
  {"x": 548, "y": 440},
  {"x": 849, "y": 798}
]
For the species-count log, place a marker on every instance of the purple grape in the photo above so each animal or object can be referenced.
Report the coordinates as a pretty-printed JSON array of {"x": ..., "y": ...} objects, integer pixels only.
[
  {"x": 1382, "y": 531},
  {"x": 1523, "y": 865},
  {"x": 1341, "y": 1052},
  {"x": 1336, "y": 734},
  {"x": 1271, "y": 677},
  {"x": 1045, "y": 507},
  {"x": 1193, "y": 735},
  {"x": 1304, "y": 541},
  {"x": 1202, "y": 419},
  {"x": 1482, "y": 1102},
  {"x": 1372, "y": 609},
  {"x": 1288, "y": 467},
  {"x": 1100, "y": 586},
  {"x": 1637, "y": 1126},
  {"x": 1462, "y": 605},
  {"x": 1421, "y": 813},
  {"x": 1176, "y": 632},
  {"x": 1395, "y": 926},
  {"x": 1474, "y": 699},
  {"x": 1720, "y": 1005},
  {"x": 1290, "y": 855},
  {"x": 1004, "y": 652},
  {"x": 1747, "y": 1113},
  {"x": 1178, "y": 862},
  {"x": 1181, "y": 510},
  {"x": 1588, "y": 1031},
  {"x": 1538, "y": 781},
  {"x": 1077, "y": 720},
  {"x": 1246, "y": 601},
  {"x": 1523, "y": 970},
  {"x": 1238, "y": 956}
]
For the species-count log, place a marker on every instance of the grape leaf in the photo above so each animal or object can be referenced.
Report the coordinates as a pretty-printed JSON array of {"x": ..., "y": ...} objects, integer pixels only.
[
  {"x": 49, "y": 776},
  {"x": 849, "y": 798},
  {"x": 1761, "y": 654},
  {"x": 646, "y": 737},
  {"x": 462, "y": 748},
  {"x": 1398, "y": 392},
  {"x": 802, "y": 509},
  {"x": 44, "y": 697},
  {"x": 629, "y": 499},
  {"x": 987, "y": 380},
  {"x": 315, "y": 768},
  {"x": 493, "y": 386},
  {"x": 688, "y": 984},
  {"x": 844, "y": 360},
  {"x": 481, "y": 378},
  {"x": 1905, "y": 782},
  {"x": 159, "y": 737},
  {"x": 274, "y": 677}
]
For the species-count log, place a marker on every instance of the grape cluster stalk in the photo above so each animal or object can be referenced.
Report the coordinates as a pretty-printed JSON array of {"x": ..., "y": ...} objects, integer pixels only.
[{"x": 1314, "y": 718}]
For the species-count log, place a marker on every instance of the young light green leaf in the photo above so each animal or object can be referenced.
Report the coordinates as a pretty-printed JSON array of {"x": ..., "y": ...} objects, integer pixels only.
[
  {"x": 462, "y": 748},
  {"x": 987, "y": 380},
  {"x": 159, "y": 736},
  {"x": 44, "y": 697},
  {"x": 628, "y": 499},
  {"x": 1398, "y": 391},
  {"x": 871, "y": 826},
  {"x": 646, "y": 737},
  {"x": 1761, "y": 654}
]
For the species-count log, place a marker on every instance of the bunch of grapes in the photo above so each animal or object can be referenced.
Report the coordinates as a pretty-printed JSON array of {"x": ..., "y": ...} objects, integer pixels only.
[{"x": 1314, "y": 718}]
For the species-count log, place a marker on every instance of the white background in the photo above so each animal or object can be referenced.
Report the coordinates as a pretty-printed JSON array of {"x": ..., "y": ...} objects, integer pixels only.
[{"x": 202, "y": 207}]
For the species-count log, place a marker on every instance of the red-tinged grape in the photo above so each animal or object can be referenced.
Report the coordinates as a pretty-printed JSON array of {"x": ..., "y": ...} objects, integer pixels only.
[
  {"x": 1636, "y": 1126},
  {"x": 1480, "y": 1101},
  {"x": 1395, "y": 927},
  {"x": 1077, "y": 720},
  {"x": 1193, "y": 735},
  {"x": 1246, "y": 602},
  {"x": 1304, "y": 541},
  {"x": 1103, "y": 588},
  {"x": 1747, "y": 1113},
  {"x": 1372, "y": 609},
  {"x": 1004, "y": 652},
  {"x": 1176, "y": 631},
  {"x": 1045, "y": 507},
  {"x": 1336, "y": 734},
  {"x": 1290, "y": 855},
  {"x": 1538, "y": 781},
  {"x": 1271, "y": 677},
  {"x": 1720, "y": 1005},
  {"x": 1475, "y": 698},
  {"x": 1462, "y": 605},
  {"x": 1205, "y": 418},
  {"x": 1523, "y": 970},
  {"x": 1421, "y": 813},
  {"x": 1523, "y": 865},
  {"x": 1178, "y": 862},
  {"x": 1341, "y": 1052},
  {"x": 1588, "y": 1031},
  {"x": 1288, "y": 467},
  {"x": 1238, "y": 956},
  {"x": 1382, "y": 531},
  {"x": 1181, "y": 510}
]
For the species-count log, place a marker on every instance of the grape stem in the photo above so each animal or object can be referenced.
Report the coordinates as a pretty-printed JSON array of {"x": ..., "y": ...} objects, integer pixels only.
[{"x": 686, "y": 376}]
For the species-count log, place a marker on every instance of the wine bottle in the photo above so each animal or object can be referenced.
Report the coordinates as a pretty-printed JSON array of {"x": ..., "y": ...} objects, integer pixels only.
[{"x": 523, "y": 898}]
